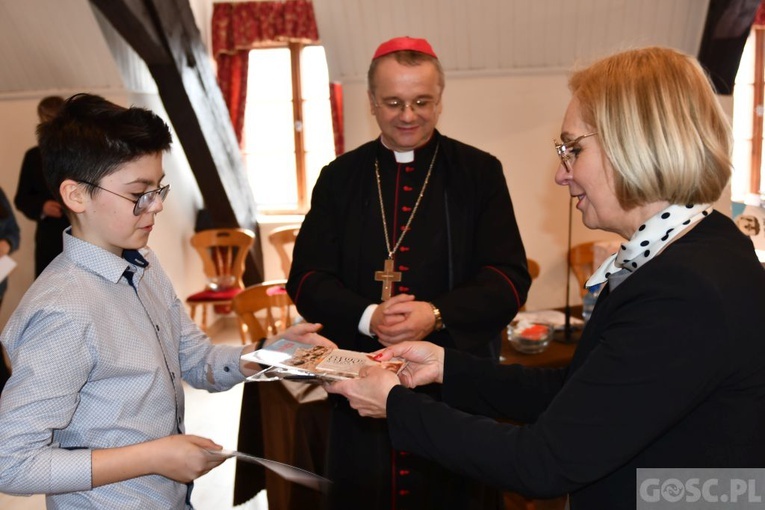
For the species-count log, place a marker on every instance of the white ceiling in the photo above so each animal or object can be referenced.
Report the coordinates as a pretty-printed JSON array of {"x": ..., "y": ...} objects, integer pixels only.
[
  {"x": 488, "y": 36},
  {"x": 48, "y": 45},
  {"x": 51, "y": 45}
]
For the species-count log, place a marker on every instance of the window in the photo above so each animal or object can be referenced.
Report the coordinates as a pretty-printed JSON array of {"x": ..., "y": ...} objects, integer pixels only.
[
  {"x": 288, "y": 134},
  {"x": 748, "y": 100}
]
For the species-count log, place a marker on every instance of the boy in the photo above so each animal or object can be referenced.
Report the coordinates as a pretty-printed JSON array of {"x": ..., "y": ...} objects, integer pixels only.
[{"x": 93, "y": 413}]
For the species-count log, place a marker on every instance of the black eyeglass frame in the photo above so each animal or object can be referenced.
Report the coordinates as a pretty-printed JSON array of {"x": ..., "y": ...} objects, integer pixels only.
[{"x": 144, "y": 200}]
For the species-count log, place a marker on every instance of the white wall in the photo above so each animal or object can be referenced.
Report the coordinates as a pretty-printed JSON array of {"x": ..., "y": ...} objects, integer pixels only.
[{"x": 175, "y": 225}]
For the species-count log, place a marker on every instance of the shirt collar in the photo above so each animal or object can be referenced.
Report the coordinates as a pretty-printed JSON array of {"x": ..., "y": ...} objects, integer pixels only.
[{"x": 102, "y": 262}]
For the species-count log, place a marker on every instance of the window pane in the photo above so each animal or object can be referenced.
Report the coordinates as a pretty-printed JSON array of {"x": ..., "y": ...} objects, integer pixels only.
[
  {"x": 269, "y": 145},
  {"x": 317, "y": 113},
  {"x": 269, "y": 76},
  {"x": 314, "y": 73}
]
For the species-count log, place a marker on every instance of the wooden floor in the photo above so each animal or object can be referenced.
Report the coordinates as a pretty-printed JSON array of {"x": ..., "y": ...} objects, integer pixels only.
[{"x": 213, "y": 415}]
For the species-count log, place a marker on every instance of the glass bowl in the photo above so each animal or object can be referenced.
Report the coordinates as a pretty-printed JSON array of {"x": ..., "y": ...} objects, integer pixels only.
[{"x": 530, "y": 337}]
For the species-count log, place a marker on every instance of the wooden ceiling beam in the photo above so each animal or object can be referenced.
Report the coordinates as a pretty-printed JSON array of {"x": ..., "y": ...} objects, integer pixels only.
[{"x": 165, "y": 36}]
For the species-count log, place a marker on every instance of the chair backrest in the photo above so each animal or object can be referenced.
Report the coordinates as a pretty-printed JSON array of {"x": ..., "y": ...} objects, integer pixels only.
[
  {"x": 582, "y": 260},
  {"x": 265, "y": 308},
  {"x": 280, "y": 238},
  {"x": 223, "y": 252},
  {"x": 533, "y": 266}
]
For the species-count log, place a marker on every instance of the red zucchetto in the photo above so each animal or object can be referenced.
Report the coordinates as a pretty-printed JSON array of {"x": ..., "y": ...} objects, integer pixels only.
[{"x": 403, "y": 44}]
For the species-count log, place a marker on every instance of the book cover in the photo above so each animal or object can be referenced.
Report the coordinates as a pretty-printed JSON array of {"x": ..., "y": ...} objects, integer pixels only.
[{"x": 287, "y": 359}]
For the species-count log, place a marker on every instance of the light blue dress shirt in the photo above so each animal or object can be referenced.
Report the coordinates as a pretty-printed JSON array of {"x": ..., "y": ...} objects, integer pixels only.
[{"x": 98, "y": 363}]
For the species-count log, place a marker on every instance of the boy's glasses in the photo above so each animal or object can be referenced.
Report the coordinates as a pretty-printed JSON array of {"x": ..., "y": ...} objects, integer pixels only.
[
  {"x": 568, "y": 151},
  {"x": 144, "y": 200}
]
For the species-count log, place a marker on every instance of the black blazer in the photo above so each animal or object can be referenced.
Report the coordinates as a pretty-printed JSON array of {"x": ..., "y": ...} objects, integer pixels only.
[{"x": 669, "y": 372}]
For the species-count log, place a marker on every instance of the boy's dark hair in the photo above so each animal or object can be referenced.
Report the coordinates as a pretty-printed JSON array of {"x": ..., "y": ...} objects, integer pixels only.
[{"x": 91, "y": 138}]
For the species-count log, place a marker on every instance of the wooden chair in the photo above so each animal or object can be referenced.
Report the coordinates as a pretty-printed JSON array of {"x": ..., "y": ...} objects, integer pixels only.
[
  {"x": 582, "y": 259},
  {"x": 279, "y": 238},
  {"x": 293, "y": 416},
  {"x": 533, "y": 266},
  {"x": 223, "y": 252},
  {"x": 264, "y": 308}
]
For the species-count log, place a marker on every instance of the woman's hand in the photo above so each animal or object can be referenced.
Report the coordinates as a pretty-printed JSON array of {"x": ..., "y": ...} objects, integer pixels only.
[
  {"x": 368, "y": 394},
  {"x": 425, "y": 362}
]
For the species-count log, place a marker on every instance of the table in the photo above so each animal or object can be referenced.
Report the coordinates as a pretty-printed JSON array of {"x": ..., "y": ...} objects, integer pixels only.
[{"x": 557, "y": 354}]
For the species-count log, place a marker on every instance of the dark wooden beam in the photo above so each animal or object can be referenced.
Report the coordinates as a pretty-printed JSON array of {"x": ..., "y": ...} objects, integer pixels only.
[
  {"x": 165, "y": 36},
  {"x": 725, "y": 32}
]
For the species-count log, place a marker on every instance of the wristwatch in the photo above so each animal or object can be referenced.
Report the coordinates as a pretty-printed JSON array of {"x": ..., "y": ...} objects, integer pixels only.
[{"x": 439, "y": 325}]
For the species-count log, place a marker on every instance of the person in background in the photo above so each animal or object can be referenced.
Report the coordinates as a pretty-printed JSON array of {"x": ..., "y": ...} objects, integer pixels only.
[
  {"x": 411, "y": 236},
  {"x": 670, "y": 369},
  {"x": 93, "y": 414},
  {"x": 35, "y": 200},
  {"x": 9, "y": 242}
]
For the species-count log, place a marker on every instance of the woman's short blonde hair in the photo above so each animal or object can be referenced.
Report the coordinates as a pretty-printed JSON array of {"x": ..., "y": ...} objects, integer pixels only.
[{"x": 660, "y": 125}]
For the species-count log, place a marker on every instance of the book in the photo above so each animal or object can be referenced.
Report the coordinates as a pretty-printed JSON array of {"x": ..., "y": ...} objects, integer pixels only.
[{"x": 287, "y": 359}]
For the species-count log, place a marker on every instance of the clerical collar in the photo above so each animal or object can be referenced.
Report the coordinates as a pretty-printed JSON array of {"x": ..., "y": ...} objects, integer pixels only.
[{"x": 404, "y": 156}]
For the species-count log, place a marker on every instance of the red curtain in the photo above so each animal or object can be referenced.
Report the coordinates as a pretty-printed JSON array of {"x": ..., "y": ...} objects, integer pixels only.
[
  {"x": 759, "y": 16},
  {"x": 241, "y": 26},
  {"x": 336, "y": 102}
]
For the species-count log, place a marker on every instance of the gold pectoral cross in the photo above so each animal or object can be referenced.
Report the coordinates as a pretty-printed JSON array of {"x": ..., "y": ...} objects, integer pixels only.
[{"x": 387, "y": 276}]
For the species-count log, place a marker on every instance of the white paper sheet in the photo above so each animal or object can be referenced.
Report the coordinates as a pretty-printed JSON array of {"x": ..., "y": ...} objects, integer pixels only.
[
  {"x": 290, "y": 473},
  {"x": 7, "y": 264},
  {"x": 554, "y": 317}
]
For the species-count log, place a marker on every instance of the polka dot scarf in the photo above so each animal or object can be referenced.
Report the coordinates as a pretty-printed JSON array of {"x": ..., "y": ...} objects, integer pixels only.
[{"x": 652, "y": 237}]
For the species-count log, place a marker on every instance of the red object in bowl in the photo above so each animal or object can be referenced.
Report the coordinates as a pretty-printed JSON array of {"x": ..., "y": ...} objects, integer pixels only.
[{"x": 535, "y": 332}]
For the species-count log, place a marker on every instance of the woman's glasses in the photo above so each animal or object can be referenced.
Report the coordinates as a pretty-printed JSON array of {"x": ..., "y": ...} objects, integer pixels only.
[
  {"x": 568, "y": 151},
  {"x": 144, "y": 200}
]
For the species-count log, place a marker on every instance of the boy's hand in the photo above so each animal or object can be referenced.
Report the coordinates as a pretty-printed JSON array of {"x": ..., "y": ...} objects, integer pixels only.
[
  {"x": 184, "y": 458},
  {"x": 304, "y": 332},
  {"x": 179, "y": 457}
]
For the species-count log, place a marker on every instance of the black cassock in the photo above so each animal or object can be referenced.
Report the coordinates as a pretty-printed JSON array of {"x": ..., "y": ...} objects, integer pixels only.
[{"x": 463, "y": 252}]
